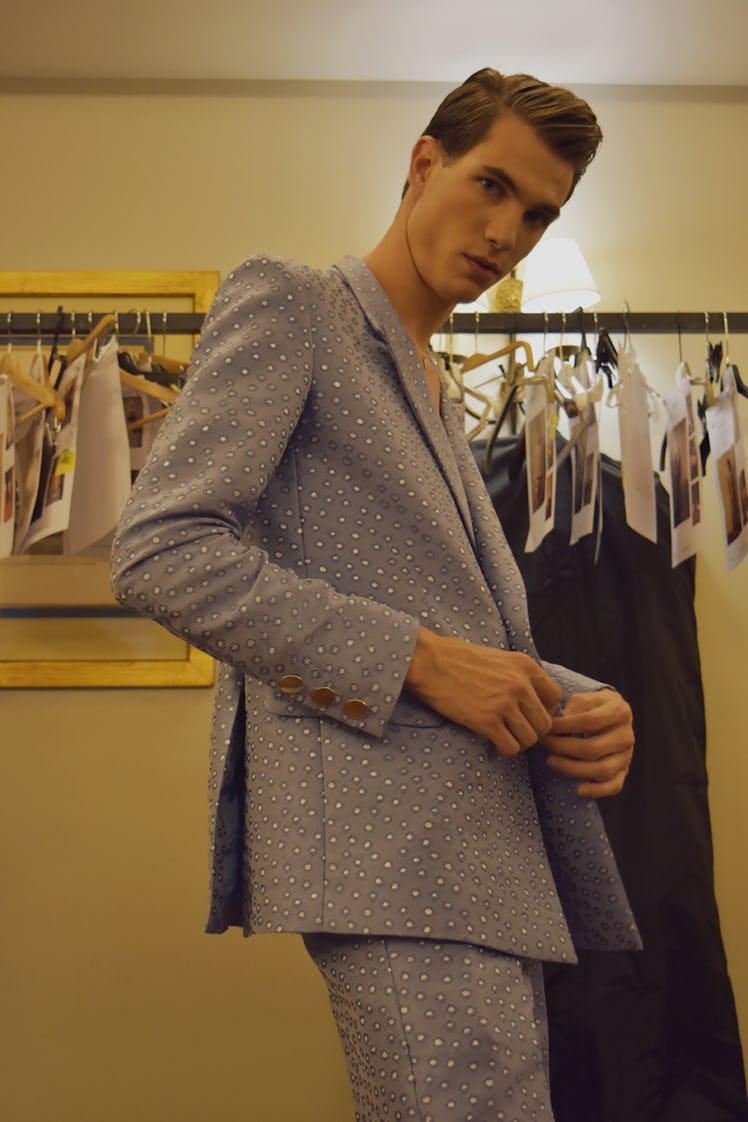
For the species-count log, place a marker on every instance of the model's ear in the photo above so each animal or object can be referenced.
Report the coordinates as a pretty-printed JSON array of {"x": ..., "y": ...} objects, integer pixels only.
[{"x": 426, "y": 154}]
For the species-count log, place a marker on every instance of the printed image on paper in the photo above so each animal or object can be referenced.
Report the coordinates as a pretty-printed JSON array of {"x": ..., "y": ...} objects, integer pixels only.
[
  {"x": 584, "y": 437},
  {"x": 7, "y": 468},
  {"x": 726, "y": 443},
  {"x": 540, "y": 450},
  {"x": 51, "y": 511},
  {"x": 685, "y": 469}
]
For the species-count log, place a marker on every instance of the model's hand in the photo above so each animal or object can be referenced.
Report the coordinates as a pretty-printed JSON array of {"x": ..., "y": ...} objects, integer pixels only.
[
  {"x": 593, "y": 742},
  {"x": 501, "y": 695}
]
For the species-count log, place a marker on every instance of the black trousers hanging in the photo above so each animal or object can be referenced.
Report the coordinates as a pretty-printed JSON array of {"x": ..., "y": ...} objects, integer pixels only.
[{"x": 649, "y": 1036}]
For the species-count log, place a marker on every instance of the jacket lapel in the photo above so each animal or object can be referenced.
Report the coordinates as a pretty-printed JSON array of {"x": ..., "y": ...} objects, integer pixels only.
[{"x": 378, "y": 309}]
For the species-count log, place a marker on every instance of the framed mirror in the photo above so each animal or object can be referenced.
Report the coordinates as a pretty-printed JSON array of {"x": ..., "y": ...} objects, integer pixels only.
[{"x": 60, "y": 625}]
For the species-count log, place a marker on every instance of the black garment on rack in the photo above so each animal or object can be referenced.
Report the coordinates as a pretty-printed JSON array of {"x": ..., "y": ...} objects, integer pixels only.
[{"x": 648, "y": 1036}]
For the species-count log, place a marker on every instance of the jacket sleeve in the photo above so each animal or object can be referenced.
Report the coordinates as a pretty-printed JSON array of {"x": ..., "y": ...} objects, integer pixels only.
[
  {"x": 183, "y": 552},
  {"x": 570, "y": 681}
]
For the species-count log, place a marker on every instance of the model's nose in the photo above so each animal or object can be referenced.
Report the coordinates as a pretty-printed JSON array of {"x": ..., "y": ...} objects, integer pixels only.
[{"x": 502, "y": 229}]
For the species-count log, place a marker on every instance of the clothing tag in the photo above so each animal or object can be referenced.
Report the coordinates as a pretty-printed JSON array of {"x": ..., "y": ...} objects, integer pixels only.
[
  {"x": 636, "y": 449},
  {"x": 726, "y": 443},
  {"x": 65, "y": 462}
]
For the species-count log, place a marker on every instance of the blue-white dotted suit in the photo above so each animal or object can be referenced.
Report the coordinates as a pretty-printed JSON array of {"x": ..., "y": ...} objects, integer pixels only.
[{"x": 304, "y": 510}]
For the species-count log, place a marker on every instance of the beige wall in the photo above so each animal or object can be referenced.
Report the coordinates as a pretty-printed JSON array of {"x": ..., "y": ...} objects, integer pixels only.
[{"x": 115, "y": 1005}]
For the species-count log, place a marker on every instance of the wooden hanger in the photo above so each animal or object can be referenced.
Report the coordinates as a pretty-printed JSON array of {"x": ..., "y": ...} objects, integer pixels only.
[
  {"x": 484, "y": 418},
  {"x": 139, "y": 382},
  {"x": 162, "y": 362},
  {"x": 480, "y": 359},
  {"x": 42, "y": 392},
  {"x": 166, "y": 394},
  {"x": 169, "y": 365},
  {"x": 106, "y": 325},
  {"x": 143, "y": 421}
]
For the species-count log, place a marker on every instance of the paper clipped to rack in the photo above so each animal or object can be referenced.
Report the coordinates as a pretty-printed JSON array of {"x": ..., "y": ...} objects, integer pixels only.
[
  {"x": 540, "y": 457},
  {"x": 686, "y": 524},
  {"x": 728, "y": 450},
  {"x": 7, "y": 467},
  {"x": 636, "y": 448}
]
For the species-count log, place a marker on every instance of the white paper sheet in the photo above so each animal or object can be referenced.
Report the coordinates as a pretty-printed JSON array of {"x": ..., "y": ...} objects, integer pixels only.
[
  {"x": 636, "y": 448},
  {"x": 102, "y": 462}
]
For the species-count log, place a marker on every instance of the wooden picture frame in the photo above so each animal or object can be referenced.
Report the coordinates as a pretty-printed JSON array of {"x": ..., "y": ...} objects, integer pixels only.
[{"x": 105, "y": 639}]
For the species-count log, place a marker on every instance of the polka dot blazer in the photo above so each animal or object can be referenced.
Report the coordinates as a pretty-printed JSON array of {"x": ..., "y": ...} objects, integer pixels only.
[{"x": 304, "y": 509}]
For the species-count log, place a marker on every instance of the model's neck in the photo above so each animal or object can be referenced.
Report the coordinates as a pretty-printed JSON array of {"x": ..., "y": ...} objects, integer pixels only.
[{"x": 421, "y": 311}]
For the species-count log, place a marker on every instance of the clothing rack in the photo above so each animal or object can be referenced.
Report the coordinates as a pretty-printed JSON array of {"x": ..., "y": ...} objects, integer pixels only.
[
  {"x": 647, "y": 323},
  {"x": 21, "y": 326}
]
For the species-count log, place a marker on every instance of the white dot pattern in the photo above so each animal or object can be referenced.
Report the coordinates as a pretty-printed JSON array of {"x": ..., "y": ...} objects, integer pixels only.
[
  {"x": 303, "y": 511},
  {"x": 435, "y": 1032}
]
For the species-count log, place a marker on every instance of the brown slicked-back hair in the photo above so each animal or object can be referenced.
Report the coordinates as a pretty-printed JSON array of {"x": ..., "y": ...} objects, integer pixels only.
[{"x": 562, "y": 120}]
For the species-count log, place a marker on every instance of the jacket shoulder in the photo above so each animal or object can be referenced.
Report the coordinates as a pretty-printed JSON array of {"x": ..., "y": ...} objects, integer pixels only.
[{"x": 278, "y": 275}]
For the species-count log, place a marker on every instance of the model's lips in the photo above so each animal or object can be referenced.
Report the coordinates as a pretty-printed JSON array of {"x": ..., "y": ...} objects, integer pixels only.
[{"x": 484, "y": 265}]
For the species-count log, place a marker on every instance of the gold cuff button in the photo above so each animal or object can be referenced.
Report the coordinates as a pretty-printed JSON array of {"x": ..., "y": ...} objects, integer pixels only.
[
  {"x": 323, "y": 697},
  {"x": 291, "y": 683},
  {"x": 355, "y": 709}
]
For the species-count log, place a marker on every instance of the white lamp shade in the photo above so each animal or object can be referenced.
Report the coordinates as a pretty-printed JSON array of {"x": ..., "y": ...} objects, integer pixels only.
[{"x": 557, "y": 278}]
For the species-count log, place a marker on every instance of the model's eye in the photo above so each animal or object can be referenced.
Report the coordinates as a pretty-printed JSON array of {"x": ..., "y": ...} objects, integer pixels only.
[
  {"x": 492, "y": 186},
  {"x": 538, "y": 219}
]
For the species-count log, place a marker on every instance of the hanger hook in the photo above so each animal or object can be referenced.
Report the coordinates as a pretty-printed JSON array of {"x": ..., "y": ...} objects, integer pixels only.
[
  {"x": 164, "y": 316},
  {"x": 626, "y": 314},
  {"x": 545, "y": 332},
  {"x": 148, "y": 331},
  {"x": 38, "y": 332},
  {"x": 680, "y": 337},
  {"x": 727, "y": 338},
  {"x": 582, "y": 334}
]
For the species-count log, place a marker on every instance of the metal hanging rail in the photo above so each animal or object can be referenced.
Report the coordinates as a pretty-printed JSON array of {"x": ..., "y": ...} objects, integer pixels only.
[
  {"x": 45, "y": 325},
  {"x": 650, "y": 323}
]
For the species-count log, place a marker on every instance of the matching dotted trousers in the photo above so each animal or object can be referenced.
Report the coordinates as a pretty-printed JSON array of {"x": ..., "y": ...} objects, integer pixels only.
[{"x": 437, "y": 1032}]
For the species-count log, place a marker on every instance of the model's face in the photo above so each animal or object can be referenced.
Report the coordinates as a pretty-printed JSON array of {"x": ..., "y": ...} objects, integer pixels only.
[{"x": 473, "y": 218}]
